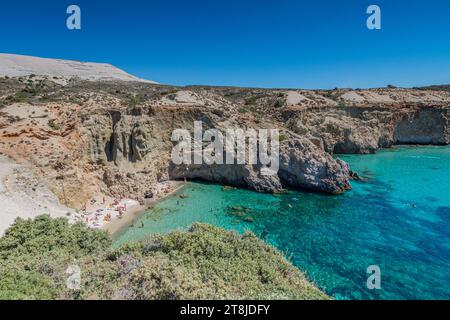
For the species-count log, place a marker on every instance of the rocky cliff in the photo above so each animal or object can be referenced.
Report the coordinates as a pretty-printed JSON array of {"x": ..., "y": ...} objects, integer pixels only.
[
  {"x": 114, "y": 137},
  {"x": 364, "y": 121}
]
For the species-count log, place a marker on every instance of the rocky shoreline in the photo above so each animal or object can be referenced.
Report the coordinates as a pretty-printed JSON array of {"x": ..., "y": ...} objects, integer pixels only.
[{"x": 114, "y": 138}]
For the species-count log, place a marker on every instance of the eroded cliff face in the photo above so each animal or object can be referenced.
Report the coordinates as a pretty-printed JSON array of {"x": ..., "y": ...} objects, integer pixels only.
[
  {"x": 133, "y": 148},
  {"x": 366, "y": 129},
  {"x": 423, "y": 126},
  {"x": 115, "y": 138}
]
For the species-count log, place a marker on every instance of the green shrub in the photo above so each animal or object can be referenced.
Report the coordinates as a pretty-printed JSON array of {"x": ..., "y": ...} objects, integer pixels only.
[
  {"x": 342, "y": 104},
  {"x": 44, "y": 234},
  {"x": 52, "y": 124},
  {"x": 203, "y": 263}
]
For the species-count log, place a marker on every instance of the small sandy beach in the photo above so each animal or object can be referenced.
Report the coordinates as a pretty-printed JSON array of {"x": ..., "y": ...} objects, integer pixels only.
[{"x": 164, "y": 190}]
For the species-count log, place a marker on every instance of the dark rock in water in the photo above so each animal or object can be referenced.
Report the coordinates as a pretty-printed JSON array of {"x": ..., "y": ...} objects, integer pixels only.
[
  {"x": 242, "y": 213},
  {"x": 184, "y": 196},
  {"x": 240, "y": 208},
  {"x": 228, "y": 188},
  {"x": 355, "y": 176},
  {"x": 235, "y": 213},
  {"x": 239, "y": 211},
  {"x": 368, "y": 173},
  {"x": 148, "y": 195}
]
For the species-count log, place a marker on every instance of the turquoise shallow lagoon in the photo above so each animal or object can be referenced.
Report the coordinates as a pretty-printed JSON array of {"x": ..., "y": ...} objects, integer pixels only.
[{"x": 399, "y": 219}]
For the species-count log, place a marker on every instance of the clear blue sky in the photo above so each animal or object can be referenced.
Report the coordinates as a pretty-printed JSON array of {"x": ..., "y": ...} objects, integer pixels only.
[{"x": 279, "y": 43}]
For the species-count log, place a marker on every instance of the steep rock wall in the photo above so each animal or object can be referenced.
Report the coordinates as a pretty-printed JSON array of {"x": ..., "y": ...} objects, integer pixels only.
[
  {"x": 426, "y": 126},
  {"x": 367, "y": 129},
  {"x": 133, "y": 147}
]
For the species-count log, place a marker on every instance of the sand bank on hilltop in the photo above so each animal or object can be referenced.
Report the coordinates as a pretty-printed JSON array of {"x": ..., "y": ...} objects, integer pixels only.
[{"x": 15, "y": 65}]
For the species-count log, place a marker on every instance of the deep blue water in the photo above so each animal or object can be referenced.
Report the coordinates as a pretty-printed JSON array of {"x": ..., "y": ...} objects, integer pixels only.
[{"x": 399, "y": 219}]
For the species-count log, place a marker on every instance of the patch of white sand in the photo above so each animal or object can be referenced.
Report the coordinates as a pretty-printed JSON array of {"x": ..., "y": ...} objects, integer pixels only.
[
  {"x": 294, "y": 98},
  {"x": 374, "y": 97},
  {"x": 352, "y": 96},
  {"x": 184, "y": 97},
  {"x": 23, "y": 195}
]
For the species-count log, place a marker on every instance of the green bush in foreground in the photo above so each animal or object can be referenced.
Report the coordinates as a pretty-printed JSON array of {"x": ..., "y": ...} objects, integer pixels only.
[{"x": 203, "y": 263}]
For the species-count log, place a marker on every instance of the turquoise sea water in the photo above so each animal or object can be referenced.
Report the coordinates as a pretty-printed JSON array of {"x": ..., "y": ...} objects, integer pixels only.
[{"x": 399, "y": 219}]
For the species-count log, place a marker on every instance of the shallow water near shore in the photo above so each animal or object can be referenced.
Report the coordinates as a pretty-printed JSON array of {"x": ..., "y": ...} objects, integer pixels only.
[{"x": 399, "y": 219}]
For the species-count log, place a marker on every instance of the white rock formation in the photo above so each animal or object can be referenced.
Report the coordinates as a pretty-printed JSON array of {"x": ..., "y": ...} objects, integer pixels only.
[{"x": 13, "y": 65}]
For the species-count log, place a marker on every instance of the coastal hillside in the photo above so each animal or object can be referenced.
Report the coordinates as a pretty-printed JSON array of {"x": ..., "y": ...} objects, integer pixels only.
[
  {"x": 86, "y": 140},
  {"x": 202, "y": 263},
  {"x": 88, "y": 151}
]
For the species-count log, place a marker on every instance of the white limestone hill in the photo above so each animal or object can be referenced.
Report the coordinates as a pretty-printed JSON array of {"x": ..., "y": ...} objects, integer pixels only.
[{"x": 13, "y": 65}]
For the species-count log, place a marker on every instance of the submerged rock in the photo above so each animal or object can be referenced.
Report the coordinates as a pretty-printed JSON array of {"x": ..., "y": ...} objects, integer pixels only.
[{"x": 228, "y": 188}]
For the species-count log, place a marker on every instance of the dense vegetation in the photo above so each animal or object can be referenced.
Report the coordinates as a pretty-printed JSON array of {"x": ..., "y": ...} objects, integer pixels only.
[{"x": 204, "y": 262}]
